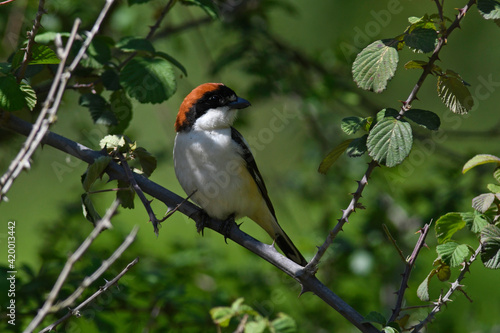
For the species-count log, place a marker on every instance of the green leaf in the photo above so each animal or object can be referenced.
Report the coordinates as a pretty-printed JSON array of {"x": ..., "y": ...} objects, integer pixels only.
[
  {"x": 94, "y": 171},
  {"x": 125, "y": 196},
  {"x": 147, "y": 161},
  {"x": 111, "y": 80},
  {"x": 375, "y": 65},
  {"x": 494, "y": 188},
  {"x": 490, "y": 10},
  {"x": 415, "y": 64},
  {"x": 423, "y": 288},
  {"x": 207, "y": 5},
  {"x": 29, "y": 95},
  {"x": 99, "y": 108},
  {"x": 443, "y": 271},
  {"x": 122, "y": 109},
  {"x": 89, "y": 210},
  {"x": 490, "y": 238},
  {"x": 134, "y": 44},
  {"x": 49, "y": 36},
  {"x": 357, "y": 147},
  {"x": 479, "y": 160},
  {"x": 284, "y": 324},
  {"x": 43, "y": 55},
  {"x": 375, "y": 317},
  {"x": 424, "y": 118},
  {"x": 453, "y": 92},
  {"x": 387, "y": 112},
  {"x": 351, "y": 125},
  {"x": 99, "y": 52},
  {"x": 173, "y": 61},
  {"x": 114, "y": 141},
  {"x": 5, "y": 67},
  {"x": 483, "y": 202},
  {"x": 389, "y": 329},
  {"x": 447, "y": 225},
  {"x": 333, "y": 156},
  {"x": 258, "y": 326},
  {"x": 421, "y": 39},
  {"x": 221, "y": 315},
  {"x": 475, "y": 221},
  {"x": 148, "y": 80},
  {"x": 452, "y": 253},
  {"x": 390, "y": 141},
  {"x": 496, "y": 174},
  {"x": 12, "y": 97}
]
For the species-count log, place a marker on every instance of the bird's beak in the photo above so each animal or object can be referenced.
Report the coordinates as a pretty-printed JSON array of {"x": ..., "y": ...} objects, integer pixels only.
[{"x": 240, "y": 103}]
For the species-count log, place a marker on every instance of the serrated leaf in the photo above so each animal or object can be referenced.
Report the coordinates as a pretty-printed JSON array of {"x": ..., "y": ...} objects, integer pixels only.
[
  {"x": 351, "y": 125},
  {"x": 387, "y": 112},
  {"x": 95, "y": 171},
  {"x": 483, "y": 202},
  {"x": 496, "y": 174},
  {"x": 134, "y": 44},
  {"x": 12, "y": 97},
  {"x": 99, "y": 108},
  {"x": 147, "y": 161},
  {"x": 29, "y": 95},
  {"x": 88, "y": 209},
  {"x": 421, "y": 39},
  {"x": 453, "y": 93},
  {"x": 375, "y": 317},
  {"x": 357, "y": 147},
  {"x": 207, "y": 5},
  {"x": 284, "y": 324},
  {"x": 389, "y": 329},
  {"x": 390, "y": 141},
  {"x": 443, "y": 272},
  {"x": 99, "y": 52},
  {"x": 111, "y": 80},
  {"x": 148, "y": 80},
  {"x": 332, "y": 156},
  {"x": 43, "y": 55},
  {"x": 424, "y": 118},
  {"x": 479, "y": 160},
  {"x": 375, "y": 65},
  {"x": 452, "y": 253},
  {"x": 258, "y": 326},
  {"x": 490, "y": 238},
  {"x": 114, "y": 141},
  {"x": 447, "y": 225},
  {"x": 490, "y": 10},
  {"x": 173, "y": 61},
  {"x": 475, "y": 221},
  {"x": 494, "y": 188},
  {"x": 423, "y": 288},
  {"x": 126, "y": 195},
  {"x": 122, "y": 109}
]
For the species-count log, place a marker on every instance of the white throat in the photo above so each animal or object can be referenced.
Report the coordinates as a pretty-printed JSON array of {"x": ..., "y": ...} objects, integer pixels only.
[{"x": 217, "y": 118}]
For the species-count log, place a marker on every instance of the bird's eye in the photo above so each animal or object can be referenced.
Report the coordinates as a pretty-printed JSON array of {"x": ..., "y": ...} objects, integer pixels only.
[{"x": 214, "y": 98}]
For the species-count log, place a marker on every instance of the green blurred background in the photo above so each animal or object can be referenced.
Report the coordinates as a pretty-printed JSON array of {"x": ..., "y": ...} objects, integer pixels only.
[{"x": 295, "y": 66}]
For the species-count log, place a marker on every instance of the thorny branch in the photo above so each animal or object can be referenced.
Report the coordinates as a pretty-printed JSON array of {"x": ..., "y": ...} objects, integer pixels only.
[
  {"x": 443, "y": 300},
  {"x": 76, "y": 311},
  {"x": 311, "y": 267},
  {"x": 408, "y": 267}
]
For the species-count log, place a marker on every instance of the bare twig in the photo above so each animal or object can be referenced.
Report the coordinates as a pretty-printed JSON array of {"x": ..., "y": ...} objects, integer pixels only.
[
  {"x": 102, "y": 224},
  {"x": 51, "y": 104},
  {"x": 76, "y": 311},
  {"x": 31, "y": 40},
  {"x": 265, "y": 251},
  {"x": 104, "y": 266},
  {"x": 447, "y": 297},
  {"x": 406, "y": 274},
  {"x": 6, "y": 2}
]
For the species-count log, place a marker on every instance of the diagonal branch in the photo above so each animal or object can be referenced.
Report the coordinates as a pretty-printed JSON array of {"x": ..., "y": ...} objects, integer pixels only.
[
  {"x": 76, "y": 311},
  {"x": 443, "y": 300},
  {"x": 409, "y": 266},
  {"x": 265, "y": 251},
  {"x": 102, "y": 224}
]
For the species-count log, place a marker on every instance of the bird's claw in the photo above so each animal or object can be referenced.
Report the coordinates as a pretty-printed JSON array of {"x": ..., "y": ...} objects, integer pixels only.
[
  {"x": 201, "y": 221},
  {"x": 226, "y": 225}
]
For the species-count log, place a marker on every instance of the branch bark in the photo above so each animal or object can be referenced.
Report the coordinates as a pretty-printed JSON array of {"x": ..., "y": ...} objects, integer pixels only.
[{"x": 308, "y": 281}]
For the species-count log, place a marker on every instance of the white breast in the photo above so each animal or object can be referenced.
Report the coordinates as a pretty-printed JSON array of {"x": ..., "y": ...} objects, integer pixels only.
[{"x": 209, "y": 162}]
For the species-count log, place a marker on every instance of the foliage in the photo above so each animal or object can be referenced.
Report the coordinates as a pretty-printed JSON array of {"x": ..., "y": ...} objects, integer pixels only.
[{"x": 128, "y": 69}]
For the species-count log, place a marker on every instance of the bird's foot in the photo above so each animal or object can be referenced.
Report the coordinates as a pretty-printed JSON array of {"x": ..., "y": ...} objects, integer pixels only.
[
  {"x": 201, "y": 221},
  {"x": 226, "y": 225}
]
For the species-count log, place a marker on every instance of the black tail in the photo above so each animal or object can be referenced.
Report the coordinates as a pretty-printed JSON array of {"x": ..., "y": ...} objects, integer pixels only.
[{"x": 291, "y": 252}]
